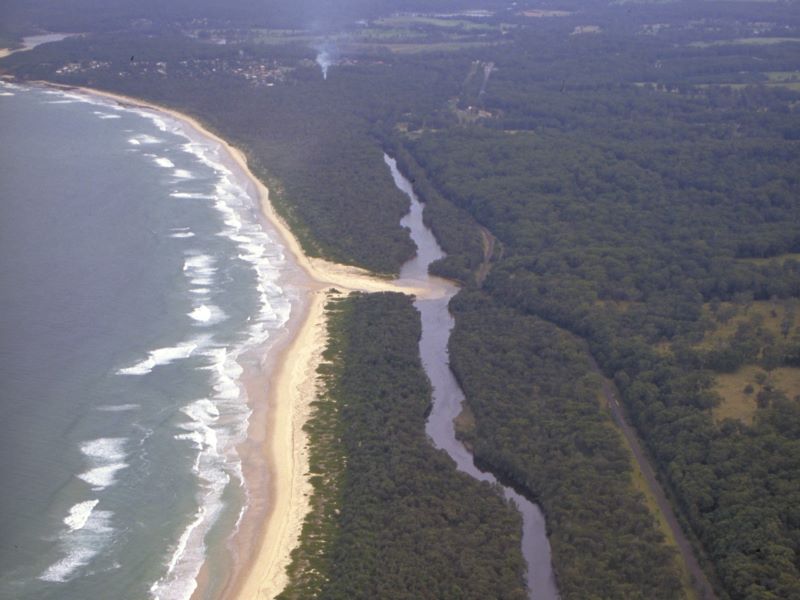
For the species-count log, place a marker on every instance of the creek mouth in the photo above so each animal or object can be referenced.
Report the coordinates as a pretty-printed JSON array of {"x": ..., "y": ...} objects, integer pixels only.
[{"x": 448, "y": 398}]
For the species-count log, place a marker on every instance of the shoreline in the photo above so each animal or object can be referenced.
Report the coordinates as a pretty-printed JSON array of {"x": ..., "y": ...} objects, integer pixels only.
[{"x": 274, "y": 455}]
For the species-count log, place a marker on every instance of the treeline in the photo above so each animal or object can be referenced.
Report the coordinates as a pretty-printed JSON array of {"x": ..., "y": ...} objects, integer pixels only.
[{"x": 391, "y": 517}]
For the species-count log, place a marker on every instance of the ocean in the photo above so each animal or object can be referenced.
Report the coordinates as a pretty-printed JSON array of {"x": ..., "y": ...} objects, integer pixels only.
[{"x": 136, "y": 279}]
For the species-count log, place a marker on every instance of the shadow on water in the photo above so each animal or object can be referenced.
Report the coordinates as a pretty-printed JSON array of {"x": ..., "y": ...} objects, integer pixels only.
[{"x": 437, "y": 324}]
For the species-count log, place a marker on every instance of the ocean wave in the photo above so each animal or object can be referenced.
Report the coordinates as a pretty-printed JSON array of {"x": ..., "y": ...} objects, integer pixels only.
[
  {"x": 105, "y": 115},
  {"x": 138, "y": 140},
  {"x": 7, "y": 94},
  {"x": 226, "y": 372},
  {"x": 217, "y": 424},
  {"x": 105, "y": 448},
  {"x": 118, "y": 407},
  {"x": 102, "y": 477},
  {"x": 191, "y": 195},
  {"x": 79, "y": 514},
  {"x": 160, "y": 357},
  {"x": 208, "y": 314},
  {"x": 200, "y": 269},
  {"x": 214, "y": 471},
  {"x": 106, "y": 456},
  {"x": 183, "y": 174},
  {"x": 80, "y": 544},
  {"x": 164, "y": 162}
]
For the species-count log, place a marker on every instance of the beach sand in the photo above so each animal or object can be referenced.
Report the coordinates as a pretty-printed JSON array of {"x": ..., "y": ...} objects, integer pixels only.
[{"x": 274, "y": 458}]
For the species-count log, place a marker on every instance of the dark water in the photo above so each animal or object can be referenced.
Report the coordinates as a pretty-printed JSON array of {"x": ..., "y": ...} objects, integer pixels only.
[
  {"x": 437, "y": 324},
  {"x": 134, "y": 276}
]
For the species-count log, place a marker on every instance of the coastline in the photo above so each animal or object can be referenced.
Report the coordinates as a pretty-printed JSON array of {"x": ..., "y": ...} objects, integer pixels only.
[{"x": 280, "y": 389}]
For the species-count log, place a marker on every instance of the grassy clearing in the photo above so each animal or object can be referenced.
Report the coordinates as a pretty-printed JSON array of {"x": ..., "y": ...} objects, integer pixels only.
[
  {"x": 751, "y": 41},
  {"x": 736, "y": 403},
  {"x": 765, "y": 261},
  {"x": 394, "y": 34},
  {"x": 402, "y": 21},
  {"x": 741, "y": 405},
  {"x": 782, "y": 77},
  {"x": 543, "y": 13},
  {"x": 770, "y": 315},
  {"x": 436, "y": 47}
]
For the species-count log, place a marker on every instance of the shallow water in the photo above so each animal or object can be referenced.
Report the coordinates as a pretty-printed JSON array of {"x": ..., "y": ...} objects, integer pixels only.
[{"x": 437, "y": 323}]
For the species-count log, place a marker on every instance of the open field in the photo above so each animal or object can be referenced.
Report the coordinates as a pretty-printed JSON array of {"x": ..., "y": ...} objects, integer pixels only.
[
  {"x": 751, "y": 41},
  {"x": 739, "y": 404},
  {"x": 411, "y": 21}
]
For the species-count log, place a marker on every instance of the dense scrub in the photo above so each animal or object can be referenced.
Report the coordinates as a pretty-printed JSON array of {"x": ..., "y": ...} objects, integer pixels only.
[{"x": 392, "y": 518}]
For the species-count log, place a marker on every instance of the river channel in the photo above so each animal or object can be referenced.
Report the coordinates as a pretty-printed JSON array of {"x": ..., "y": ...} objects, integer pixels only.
[{"x": 437, "y": 324}]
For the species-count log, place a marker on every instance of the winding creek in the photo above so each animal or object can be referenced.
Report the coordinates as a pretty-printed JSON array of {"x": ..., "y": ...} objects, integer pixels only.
[{"x": 437, "y": 324}]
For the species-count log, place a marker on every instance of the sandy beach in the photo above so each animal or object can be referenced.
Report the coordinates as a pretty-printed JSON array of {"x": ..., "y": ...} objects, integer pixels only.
[{"x": 275, "y": 460}]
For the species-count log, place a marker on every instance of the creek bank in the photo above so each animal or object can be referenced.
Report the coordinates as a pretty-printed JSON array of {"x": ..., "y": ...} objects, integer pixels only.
[{"x": 448, "y": 398}]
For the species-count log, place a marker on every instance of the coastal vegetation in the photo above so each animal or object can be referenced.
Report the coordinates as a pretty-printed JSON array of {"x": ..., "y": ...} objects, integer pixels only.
[
  {"x": 391, "y": 517},
  {"x": 613, "y": 183}
]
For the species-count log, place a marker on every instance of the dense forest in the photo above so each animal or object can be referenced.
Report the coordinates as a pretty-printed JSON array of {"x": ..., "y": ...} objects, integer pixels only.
[
  {"x": 643, "y": 221},
  {"x": 534, "y": 399},
  {"x": 629, "y": 170},
  {"x": 391, "y": 516}
]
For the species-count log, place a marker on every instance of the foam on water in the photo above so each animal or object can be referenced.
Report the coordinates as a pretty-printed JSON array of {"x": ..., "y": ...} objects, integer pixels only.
[
  {"x": 105, "y": 448},
  {"x": 118, "y": 407},
  {"x": 214, "y": 468},
  {"x": 11, "y": 86},
  {"x": 215, "y": 425},
  {"x": 160, "y": 357},
  {"x": 164, "y": 162},
  {"x": 7, "y": 94},
  {"x": 79, "y": 514},
  {"x": 138, "y": 140},
  {"x": 106, "y": 457},
  {"x": 200, "y": 269},
  {"x": 208, "y": 314},
  {"x": 191, "y": 195},
  {"x": 80, "y": 544},
  {"x": 102, "y": 477}
]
